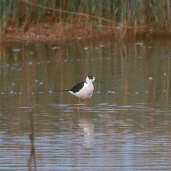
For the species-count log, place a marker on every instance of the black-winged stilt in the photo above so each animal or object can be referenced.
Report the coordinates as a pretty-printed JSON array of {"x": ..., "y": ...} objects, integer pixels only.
[{"x": 83, "y": 90}]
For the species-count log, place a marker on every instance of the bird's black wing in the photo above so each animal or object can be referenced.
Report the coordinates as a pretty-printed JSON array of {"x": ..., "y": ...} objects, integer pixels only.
[{"x": 77, "y": 87}]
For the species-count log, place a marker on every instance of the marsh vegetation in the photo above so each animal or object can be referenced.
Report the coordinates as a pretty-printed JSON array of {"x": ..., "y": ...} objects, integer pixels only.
[{"x": 84, "y": 17}]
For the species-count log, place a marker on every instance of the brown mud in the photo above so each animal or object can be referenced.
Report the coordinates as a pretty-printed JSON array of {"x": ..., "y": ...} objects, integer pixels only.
[{"x": 61, "y": 32}]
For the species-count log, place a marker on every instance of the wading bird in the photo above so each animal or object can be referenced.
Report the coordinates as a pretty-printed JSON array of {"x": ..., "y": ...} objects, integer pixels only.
[{"x": 83, "y": 90}]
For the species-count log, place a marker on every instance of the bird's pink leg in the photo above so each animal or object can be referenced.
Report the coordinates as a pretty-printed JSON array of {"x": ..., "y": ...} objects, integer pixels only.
[{"x": 78, "y": 109}]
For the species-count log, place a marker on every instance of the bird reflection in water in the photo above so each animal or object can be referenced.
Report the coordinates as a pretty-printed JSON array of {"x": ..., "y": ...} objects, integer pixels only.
[{"x": 87, "y": 127}]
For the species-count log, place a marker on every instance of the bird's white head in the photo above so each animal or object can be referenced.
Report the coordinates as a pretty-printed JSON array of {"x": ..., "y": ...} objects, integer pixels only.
[{"x": 90, "y": 79}]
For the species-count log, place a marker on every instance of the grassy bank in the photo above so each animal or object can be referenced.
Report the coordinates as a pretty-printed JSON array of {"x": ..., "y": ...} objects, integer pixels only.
[{"x": 93, "y": 15}]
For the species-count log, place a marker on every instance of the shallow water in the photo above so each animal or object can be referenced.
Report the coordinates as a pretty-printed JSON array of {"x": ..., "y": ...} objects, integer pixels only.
[{"x": 125, "y": 125}]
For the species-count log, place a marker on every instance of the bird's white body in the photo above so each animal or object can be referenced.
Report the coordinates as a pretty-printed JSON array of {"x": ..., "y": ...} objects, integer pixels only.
[{"x": 85, "y": 90}]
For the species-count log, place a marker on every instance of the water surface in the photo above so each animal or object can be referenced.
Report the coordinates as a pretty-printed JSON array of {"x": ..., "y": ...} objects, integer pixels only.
[{"x": 125, "y": 126}]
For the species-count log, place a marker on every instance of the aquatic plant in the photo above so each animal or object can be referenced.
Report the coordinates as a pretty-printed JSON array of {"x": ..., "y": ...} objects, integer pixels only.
[{"x": 111, "y": 13}]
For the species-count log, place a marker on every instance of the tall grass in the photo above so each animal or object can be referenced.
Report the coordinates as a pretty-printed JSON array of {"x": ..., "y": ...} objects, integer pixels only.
[{"x": 134, "y": 13}]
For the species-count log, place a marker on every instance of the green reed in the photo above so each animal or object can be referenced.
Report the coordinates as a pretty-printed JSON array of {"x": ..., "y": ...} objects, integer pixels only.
[{"x": 128, "y": 13}]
